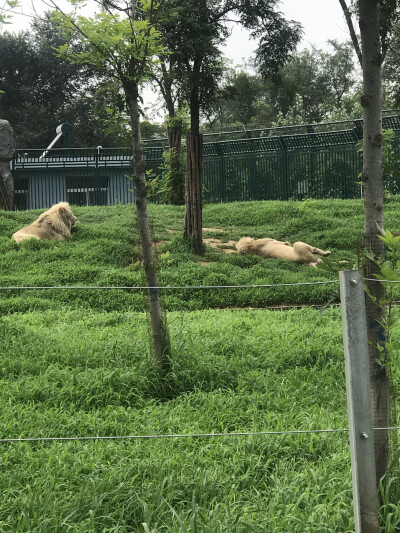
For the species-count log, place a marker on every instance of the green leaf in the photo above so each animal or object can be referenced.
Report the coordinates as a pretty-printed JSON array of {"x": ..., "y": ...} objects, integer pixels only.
[
  {"x": 388, "y": 273},
  {"x": 370, "y": 255},
  {"x": 373, "y": 298}
]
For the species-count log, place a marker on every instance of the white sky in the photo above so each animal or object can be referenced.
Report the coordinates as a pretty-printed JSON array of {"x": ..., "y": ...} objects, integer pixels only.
[{"x": 321, "y": 20}]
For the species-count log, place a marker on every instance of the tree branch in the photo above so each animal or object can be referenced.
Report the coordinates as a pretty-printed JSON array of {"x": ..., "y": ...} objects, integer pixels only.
[
  {"x": 72, "y": 22},
  {"x": 109, "y": 3},
  {"x": 350, "y": 25}
]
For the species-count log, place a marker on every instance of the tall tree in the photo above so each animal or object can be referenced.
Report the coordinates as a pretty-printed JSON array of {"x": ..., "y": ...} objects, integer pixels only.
[
  {"x": 194, "y": 31},
  {"x": 339, "y": 69},
  {"x": 372, "y": 177},
  {"x": 125, "y": 42},
  {"x": 313, "y": 86},
  {"x": 192, "y": 36},
  {"x": 239, "y": 103},
  {"x": 165, "y": 77},
  {"x": 314, "y": 82},
  {"x": 376, "y": 20}
]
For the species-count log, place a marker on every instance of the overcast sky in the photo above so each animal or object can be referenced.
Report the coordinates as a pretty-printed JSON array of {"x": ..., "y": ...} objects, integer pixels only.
[{"x": 321, "y": 20}]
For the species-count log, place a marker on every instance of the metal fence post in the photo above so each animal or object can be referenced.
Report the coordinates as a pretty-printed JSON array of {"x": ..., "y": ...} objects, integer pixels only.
[
  {"x": 361, "y": 434},
  {"x": 285, "y": 170}
]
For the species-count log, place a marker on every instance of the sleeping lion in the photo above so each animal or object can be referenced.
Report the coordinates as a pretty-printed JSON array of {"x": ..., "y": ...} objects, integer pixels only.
[
  {"x": 54, "y": 224},
  {"x": 300, "y": 252}
]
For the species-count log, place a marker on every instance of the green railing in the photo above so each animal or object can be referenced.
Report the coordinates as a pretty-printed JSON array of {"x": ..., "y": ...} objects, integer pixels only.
[
  {"x": 317, "y": 164},
  {"x": 290, "y": 168},
  {"x": 277, "y": 166}
]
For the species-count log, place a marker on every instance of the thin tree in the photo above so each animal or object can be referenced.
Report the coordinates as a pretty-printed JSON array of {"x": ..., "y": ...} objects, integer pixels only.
[
  {"x": 5, "y": 202},
  {"x": 194, "y": 31},
  {"x": 126, "y": 43},
  {"x": 164, "y": 77},
  {"x": 372, "y": 177},
  {"x": 376, "y": 19}
]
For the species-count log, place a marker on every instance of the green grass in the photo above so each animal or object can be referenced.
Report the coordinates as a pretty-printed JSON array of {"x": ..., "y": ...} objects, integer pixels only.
[
  {"x": 104, "y": 250},
  {"x": 79, "y": 364},
  {"x": 74, "y": 374}
]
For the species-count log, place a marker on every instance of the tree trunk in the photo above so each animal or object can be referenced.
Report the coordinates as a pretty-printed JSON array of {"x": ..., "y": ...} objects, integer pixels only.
[
  {"x": 174, "y": 131},
  {"x": 177, "y": 173},
  {"x": 352, "y": 32},
  {"x": 372, "y": 175},
  {"x": 7, "y": 143},
  {"x": 159, "y": 327},
  {"x": 193, "y": 230},
  {"x": 6, "y": 196},
  {"x": 194, "y": 212}
]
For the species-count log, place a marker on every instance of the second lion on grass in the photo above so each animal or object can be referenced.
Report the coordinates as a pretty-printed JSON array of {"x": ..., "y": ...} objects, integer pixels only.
[{"x": 300, "y": 252}]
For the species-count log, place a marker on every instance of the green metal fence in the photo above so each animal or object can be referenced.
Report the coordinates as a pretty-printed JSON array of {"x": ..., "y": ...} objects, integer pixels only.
[
  {"x": 267, "y": 165},
  {"x": 318, "y": 164}
]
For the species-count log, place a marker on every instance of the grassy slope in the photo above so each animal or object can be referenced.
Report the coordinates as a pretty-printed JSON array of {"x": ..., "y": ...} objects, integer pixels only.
[
  {"x": 81, "y": 367},
  {"x": 104, "y": 251}
]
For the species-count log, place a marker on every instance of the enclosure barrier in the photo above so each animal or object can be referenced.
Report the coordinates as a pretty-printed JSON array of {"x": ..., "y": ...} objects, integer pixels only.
[
  {"x": 355, "y": 342},
  {"x": 169, "y": 287},
  {"x": 176, "y": 436},
  {"x": 360, "y": 429},
  {"x": 289, "y": 163}
]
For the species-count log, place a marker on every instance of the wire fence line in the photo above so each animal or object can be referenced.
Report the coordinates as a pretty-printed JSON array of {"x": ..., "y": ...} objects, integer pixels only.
[
  {"x": 181, "y": 287},
  {"x": 174, "y": 436},
  {"x": 177, "y": 287},
  {"x": 382, "y": 280},
  {"x": 184, "y": 435}
]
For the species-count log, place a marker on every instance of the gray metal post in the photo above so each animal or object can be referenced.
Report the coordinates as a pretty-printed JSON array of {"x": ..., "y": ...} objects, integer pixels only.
[{"x": 359, "y": 402}]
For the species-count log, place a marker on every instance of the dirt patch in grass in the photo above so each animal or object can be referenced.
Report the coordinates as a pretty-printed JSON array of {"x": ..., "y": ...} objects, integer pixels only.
[
  {"x": 218, "y": 245},
  {"x": 227, "y": 247},
  {"x": 204, "y": 229},
  {"x": 214, "y": 229}
]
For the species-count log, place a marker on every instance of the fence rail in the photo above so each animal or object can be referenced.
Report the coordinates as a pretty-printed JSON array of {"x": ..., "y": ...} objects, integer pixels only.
[{"x": 264, "y": 165}]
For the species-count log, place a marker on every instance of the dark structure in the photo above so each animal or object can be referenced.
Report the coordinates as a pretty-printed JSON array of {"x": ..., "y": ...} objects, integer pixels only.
[
  {"x": 78, "y": 176},
  {"x": 6, "y": 155}
]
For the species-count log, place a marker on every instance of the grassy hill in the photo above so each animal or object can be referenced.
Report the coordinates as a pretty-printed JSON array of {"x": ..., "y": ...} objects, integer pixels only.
[
  {"x": 104, "y": 251},
  {"x": 78, "y": 364}
]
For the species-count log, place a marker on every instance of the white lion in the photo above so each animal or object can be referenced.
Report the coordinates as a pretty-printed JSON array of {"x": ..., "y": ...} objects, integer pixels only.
[
  {"x": 54, "y": 224},
  {"x": 300, "y": 252}
]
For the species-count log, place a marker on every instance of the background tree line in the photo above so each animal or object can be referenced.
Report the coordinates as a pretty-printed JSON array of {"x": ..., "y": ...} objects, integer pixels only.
[{"x": 42, "y": 90}]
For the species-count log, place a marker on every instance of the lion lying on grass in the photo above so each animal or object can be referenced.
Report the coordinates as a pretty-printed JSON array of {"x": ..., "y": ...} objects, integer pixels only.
[
  {"x": 54, "y": 224},
  {"x": 300, "y": 252}
]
